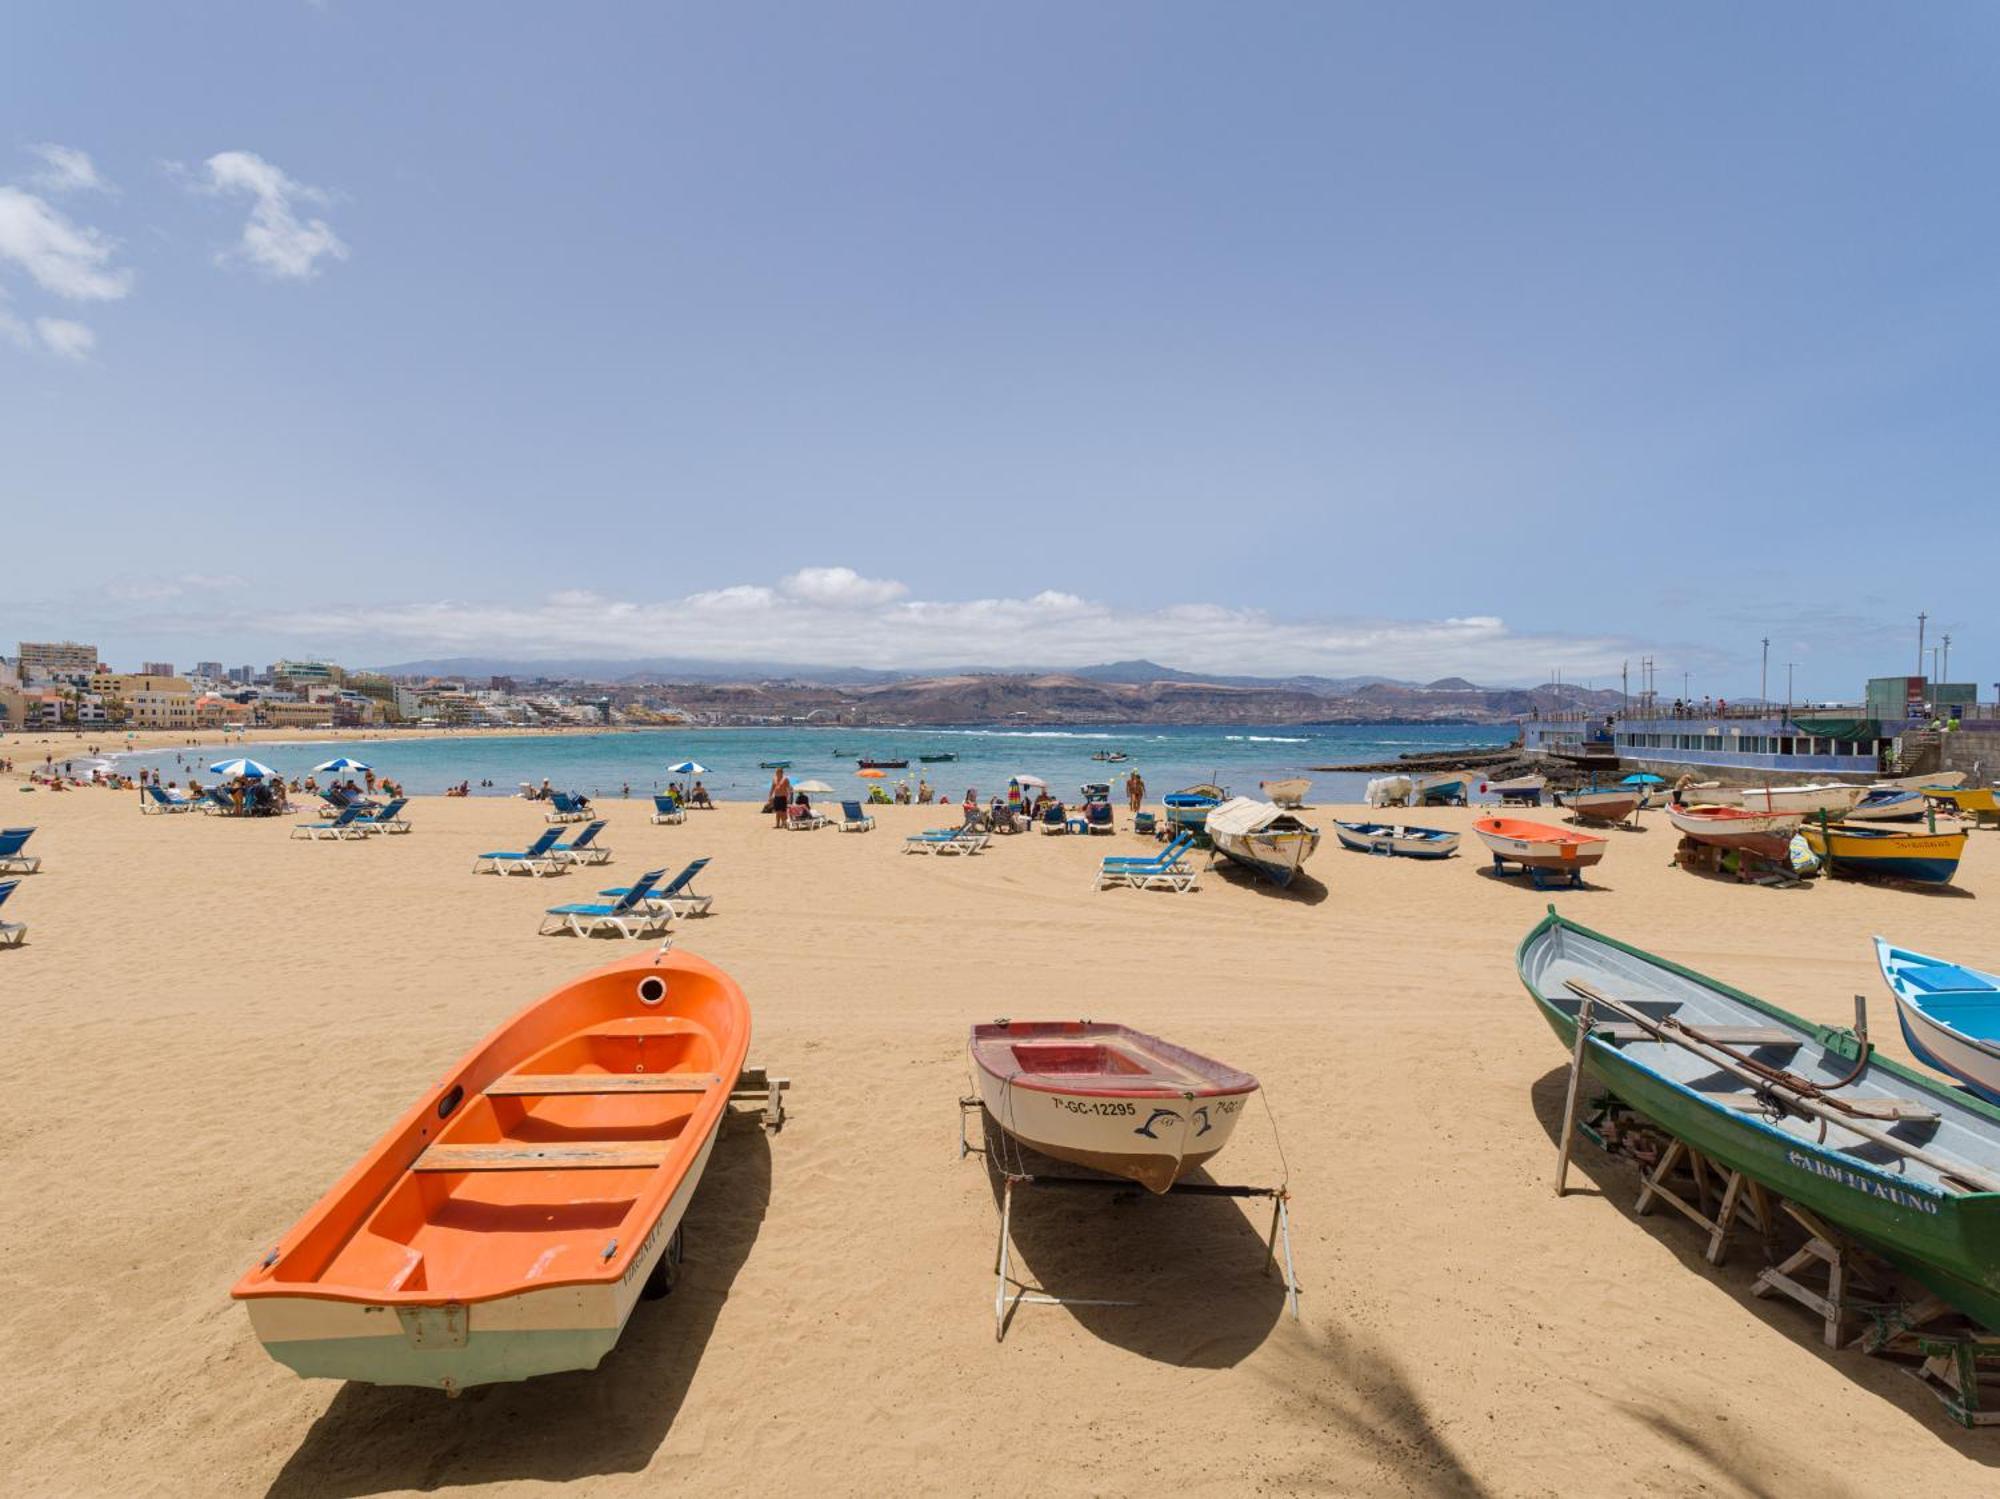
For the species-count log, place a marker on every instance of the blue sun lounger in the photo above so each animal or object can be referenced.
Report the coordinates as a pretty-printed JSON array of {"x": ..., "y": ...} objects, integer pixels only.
[
  {"x": 584, "y": 847},
  {"x": 668, "y": 809},
  {"x": 159, "y": 799},
  {"x": 343, "y": 827},
  {"x": 853, "y": 819},
  {"x": 12, "y": 860},
  {"x": 11, "y": 932},
  {"x": 633, "y": 915},
  {"x": 537, "y": 859},
  {"x": 387, "y": 818},
  {"x": 568, "y": 808},
  {"x": 960, "y": 840},
  {"x": 677, "y": 897},
  {"x": 1167, "y": 871}
]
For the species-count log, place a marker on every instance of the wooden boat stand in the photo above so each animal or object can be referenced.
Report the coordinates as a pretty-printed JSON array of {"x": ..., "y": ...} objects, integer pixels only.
[
  {"x": 754, "y": 1084},
  {"x": 1959, "y": 1364},
  {"x": 1279, "y": 1236},
  {"x": 1751, "y": 869},
  {"x": 1540, "y": 878}
]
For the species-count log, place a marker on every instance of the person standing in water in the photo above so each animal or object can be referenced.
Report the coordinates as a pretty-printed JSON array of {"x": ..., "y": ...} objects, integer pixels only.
[{"x": 1135, "y": 790}]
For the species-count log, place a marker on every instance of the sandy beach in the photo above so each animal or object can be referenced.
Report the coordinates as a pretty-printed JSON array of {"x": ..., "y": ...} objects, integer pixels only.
[{"x": 209, "y": 1023}]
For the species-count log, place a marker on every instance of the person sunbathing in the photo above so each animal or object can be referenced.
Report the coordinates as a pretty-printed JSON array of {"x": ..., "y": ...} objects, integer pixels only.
[{"x": 698, "y": 797}]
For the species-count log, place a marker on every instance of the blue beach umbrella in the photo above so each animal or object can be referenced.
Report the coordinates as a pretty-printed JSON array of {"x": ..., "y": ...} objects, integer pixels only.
[
  {"x": 234, "y": 768},
  {"x": 1643, "y": 779},
  {"x": 341, "y": 762},
  {"x": 687, "y": 768}
]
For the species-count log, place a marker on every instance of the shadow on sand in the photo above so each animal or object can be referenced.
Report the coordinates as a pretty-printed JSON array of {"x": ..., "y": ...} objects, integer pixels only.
[
  {"x": 1617, "y": 1181},
  {"x": 1304, "y": 890},
  {"x": 559, "y": 1427},
  {"x": 1193, "y": 1265}
]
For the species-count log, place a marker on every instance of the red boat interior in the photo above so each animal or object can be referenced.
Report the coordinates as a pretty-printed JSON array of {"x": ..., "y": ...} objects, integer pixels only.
[{"x": 1086, "y": 1058}]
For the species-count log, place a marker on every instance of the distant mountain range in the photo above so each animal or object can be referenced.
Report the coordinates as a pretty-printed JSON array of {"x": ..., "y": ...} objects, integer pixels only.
[{"x": 1116, "y": 692}]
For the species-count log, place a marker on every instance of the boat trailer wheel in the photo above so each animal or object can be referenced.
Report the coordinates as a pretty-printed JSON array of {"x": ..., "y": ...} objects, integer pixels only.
[{"x": 667, "y": 1271}]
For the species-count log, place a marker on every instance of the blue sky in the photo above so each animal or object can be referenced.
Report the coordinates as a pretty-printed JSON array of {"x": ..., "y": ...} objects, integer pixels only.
[{"x": 1411, "y": 339}]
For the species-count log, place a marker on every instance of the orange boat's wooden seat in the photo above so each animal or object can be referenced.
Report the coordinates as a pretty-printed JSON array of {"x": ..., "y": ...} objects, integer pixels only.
[
  {"x": 520, "y": 1156},
  {"x": 548, "y": 1084}
]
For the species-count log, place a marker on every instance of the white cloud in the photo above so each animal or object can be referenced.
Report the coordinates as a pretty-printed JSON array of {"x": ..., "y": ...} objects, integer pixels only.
[
  {"x": 835, "y": 617},
  {"x": 69, "y": 340},
  {"x": 63, "y": 257},
  {"x": 275, "y": 242},
  {"x": 65, "y": 169}
]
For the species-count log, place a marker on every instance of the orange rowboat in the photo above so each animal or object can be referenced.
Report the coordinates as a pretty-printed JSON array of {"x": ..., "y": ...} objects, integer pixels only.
[
  {"x": 1538, "y": 848},
  {"x": 508, "y": 1223}
]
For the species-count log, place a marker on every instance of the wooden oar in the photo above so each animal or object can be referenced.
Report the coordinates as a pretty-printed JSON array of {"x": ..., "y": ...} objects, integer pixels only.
[{"x": 1961, "y": 1170}]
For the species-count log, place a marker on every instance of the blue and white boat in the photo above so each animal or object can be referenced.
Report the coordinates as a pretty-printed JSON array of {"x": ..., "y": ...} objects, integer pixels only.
[
  {"x": 1950, "y": 1015},
  {"x": 1266, "y": 839},
  {"x": 1439, "y": 788},
  {"x": 1389, "y": 838},
  {"x": 1889, "y": 804},
  {"x": 1189, "y": 807}
]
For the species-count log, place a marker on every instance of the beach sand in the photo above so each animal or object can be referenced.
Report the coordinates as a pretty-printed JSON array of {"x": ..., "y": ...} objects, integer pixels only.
[{"x": 210, "y": 1022}]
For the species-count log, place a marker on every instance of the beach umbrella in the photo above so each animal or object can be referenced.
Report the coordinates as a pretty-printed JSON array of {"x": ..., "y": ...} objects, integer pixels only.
[
  {"x": 234, "y": 768},
  {"x": 687, "y": 768},
  {"x": 341, "y": 762},
  {"x": 814, "y": 788},
  {"x": 1033, "y": 781},
  {"x": 871, "y": 775},
  {"x": 1642, "y": 778}
]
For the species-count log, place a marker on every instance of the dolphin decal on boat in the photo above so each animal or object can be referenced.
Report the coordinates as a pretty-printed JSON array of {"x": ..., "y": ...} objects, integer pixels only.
[
  {"x": 1202, "y": 1114},
  {"x": 1146, "y": 1129}
]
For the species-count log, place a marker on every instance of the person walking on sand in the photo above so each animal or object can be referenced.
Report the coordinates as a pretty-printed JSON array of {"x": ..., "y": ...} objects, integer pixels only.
[
  {"x": 781, "y": 797},
  {"x": 1135, "y": 790}
]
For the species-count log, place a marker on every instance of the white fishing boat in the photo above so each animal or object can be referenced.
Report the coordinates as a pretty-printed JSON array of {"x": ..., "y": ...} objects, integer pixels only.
[
  {"x": 1289, "y": 793},
  {"x": 1393, "y": 838},
  {"x": 1765, "y": 834},
  {"x": 1107, "y": 1097},
  {"x": 1708, "y": 794},
  {"x": 1523, "y": 790},
  {"x": 1830, "y": 797},
  {"x": 1946, "y": 778},
  {"x": 1263, "y": 838},
  {"x": 1438, "y": 787},
  {"x": 1604, "y": 803}
]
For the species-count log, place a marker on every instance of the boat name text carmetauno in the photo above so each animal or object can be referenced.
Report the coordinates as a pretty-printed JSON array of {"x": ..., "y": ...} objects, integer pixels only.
[{"x": 1920, "y": 1199}]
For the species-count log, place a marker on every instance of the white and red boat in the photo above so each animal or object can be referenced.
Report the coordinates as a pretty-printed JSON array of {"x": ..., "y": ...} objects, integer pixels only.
[
  {"x": 1538, "y": 845},
  {"x": 1708, "y": 794},
  {"x": 1765, "y": 834},
  {"x": 1108, "y": 1097}
]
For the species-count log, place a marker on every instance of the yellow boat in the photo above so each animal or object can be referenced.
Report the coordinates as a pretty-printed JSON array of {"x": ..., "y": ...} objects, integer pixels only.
[
  {"x": 1890, "y": 853},
  {"x": 1976, "y": 804}
]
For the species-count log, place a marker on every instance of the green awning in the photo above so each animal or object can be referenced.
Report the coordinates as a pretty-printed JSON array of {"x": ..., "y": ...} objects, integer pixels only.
[{"x": 1848, "y": 730}]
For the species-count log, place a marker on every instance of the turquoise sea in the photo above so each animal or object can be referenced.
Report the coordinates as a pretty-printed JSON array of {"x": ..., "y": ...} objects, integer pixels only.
[{"x": 1169, "y": 756}]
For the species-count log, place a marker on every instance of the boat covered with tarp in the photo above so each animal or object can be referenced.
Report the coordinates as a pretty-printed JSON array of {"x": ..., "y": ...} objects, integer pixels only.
[{"x": 1263, "y": 837}]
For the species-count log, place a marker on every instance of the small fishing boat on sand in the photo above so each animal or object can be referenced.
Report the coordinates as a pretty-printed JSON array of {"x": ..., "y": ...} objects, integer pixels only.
[
  {"x": 1950, "y": 1015},
  {"x": 1768, "y": 835},
  {"x": 1603, "y": 803},
  {"x": 1540, "y": 849},
  {"x": 1921, "y": 858},
  {"x": 1521, "y": 791},
  {"x": 1189, "y": 807},
  {"x": 1708, "y": 794},
  {"x": 1264, "y": 838},
  {"x": 1940, "y": 778},
  {"x": 1389, "y": 838},
  {"x": 1889, "y": 804},
  {"x": 1290, "y": 792},
  {"x": 1107, "y": 1097},
  {"x": 1830, "y": 797},
  {"x": 1439, "y": 788},
  {"x": 1898, "y": 1159},
  {"x": 509, "y": 1222}
]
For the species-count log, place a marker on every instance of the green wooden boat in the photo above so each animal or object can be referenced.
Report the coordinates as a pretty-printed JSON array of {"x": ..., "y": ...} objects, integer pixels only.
[{"x": 1935, "y": 1217}]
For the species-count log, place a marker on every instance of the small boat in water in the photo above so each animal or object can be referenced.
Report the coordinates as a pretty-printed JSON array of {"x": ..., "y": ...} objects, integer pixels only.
[
  {"x": 948, "y": 755},
  {"x": 1900, "y": 1160},
  {"x": 774, "y": 765},
  {"x": 885, "y": 765},
  {"x": 1603, "y": 803},
  {"x": 1539, "y": 848},
  {"x": 1264, "y": 838},
  {"x": 1889, "y": 804},
  {"x": 507, "y": 1224},
  {"x": 1388, "y": 838},
  {"x": 1768, "y": 835},
  {"x": 1287, "y": 793},
  {"x": 1950, "y": 1015},
  {"x": 1107, "y": 1097},
  {"x": 1111, "y": 757},
  {"x": 1886, "y": 853}
]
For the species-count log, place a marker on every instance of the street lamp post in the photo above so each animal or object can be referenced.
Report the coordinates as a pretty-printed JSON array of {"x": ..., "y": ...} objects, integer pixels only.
[{"x": 1764, "y": 674}]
